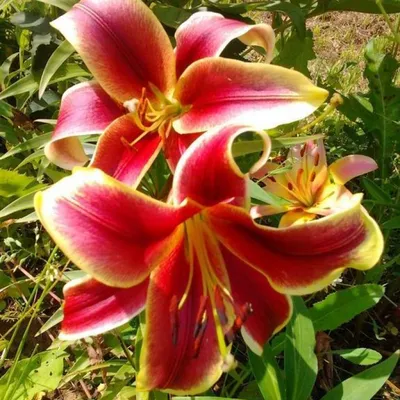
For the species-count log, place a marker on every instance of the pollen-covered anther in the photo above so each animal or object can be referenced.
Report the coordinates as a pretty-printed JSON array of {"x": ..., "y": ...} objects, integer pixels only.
[
  {"x": 219, "y": 303},
  {"x": 271, "y": 178},
  {"x": 290, "y": 186},
  {"x": 316, "y": 160},
  {"x": 200, "y": 315},
  {"x": 242, "y": 314},
  {"x": 174, "y": 320},
  {"x": 312, "y": 177},
  {"x": 303, "y": 150},
  {"x": 299, "y": 176}
]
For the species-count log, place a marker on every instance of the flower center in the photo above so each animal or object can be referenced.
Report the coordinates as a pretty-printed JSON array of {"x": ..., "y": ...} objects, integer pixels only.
[
  {"x": 204, "y": 253},
  {"x": 156, "y": 115}
]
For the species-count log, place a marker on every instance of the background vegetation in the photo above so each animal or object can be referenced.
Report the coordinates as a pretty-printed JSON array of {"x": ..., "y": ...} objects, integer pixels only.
[{"x": 341, "y": 343}]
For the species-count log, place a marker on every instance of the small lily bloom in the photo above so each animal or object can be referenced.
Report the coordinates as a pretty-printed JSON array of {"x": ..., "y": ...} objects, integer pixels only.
[
  {"x": 144, "y": 91},
  {"x": 310, "y": 189},
  {"x": 201, "y": 267}
]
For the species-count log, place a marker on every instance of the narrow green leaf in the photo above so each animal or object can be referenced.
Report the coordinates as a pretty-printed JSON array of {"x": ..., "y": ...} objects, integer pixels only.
[
  {"x": 365, "y": 384},
  {"x": 360, "y": 356},
  {"x": 55, "y": 319},
  {"x": 63, "y": 4},
  {"x": 118, "y": 382},
  {"x": 60, "y": 55},
  {"x": 256, "y": 192},
  {"x": 278, "y": 343},
  {"x": 26, "y": 84},
  {"x": 30, "y": 144},
  {"x": 202, "y": 398},
  {"x": 343, "y": 305},
  {"x": 393, "y": 223},
  {"x": 300, "y": 360},
  {"x": 12, "y": 183},
  {"x": 30, "y": 158},
  {"x": 375, "y": 191},
  {"x": 23, "y": 203},
  {"x": 268, "y": 375}
]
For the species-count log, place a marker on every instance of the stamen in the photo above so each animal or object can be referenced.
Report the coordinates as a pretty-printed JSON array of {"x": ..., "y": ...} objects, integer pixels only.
[
  {"x": 299, "y": 176},
  {"x": 271, "y": 178},
  {"x": 242, "y": 314},
  {"x": 316, "y": 159},
  {"x": 219, "y": 302},
  {"x": 199, "y": 336},
  {"x": 200, "y": 315},
  {"x": 303, "y": 150},
  {"x": 312, "y": 177},
  {"x": 290, "y": 186},
  {"x": 173, "y": 311}
]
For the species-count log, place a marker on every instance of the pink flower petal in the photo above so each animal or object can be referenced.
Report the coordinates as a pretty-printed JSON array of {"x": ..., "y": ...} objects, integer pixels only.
[
  {"x": 122, "y": 43},
  {"x": 347, "y": 168},
  {"x": 172, "y": 359},
  {"x": 92, "y": 308},
  {"x": 85, "y": 109},
  {"x": 304, "y": 258},
  {"x": 206, "y": 34},
  {"x": 103, "y": 226},
  {"x": 222, "y": 91},
  {"x": 207, "y": 172},
  {"x": 120, "y": 160}
]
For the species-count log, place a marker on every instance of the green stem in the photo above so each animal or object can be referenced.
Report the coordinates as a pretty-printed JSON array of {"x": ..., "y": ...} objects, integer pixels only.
[{"x": 396, "y": 36}]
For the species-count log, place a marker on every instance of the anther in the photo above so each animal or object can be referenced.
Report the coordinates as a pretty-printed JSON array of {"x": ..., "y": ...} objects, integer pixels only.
[
  {"x": 316, "y": 160},
  {"x": 299, "y": 176},
  {"x": 199, "y": 336},
  {"x": 173, "y": 313},
  {"x": 312, "y": 177},
  {"x": 290, "y": 186},
  {"x": 200, "y": 315},
  {"x": 271, "y": 178},
  {"x": 242, "y": 314},
  {"x": 303, "y": 150},
  {"x": 220, "y": 306}
]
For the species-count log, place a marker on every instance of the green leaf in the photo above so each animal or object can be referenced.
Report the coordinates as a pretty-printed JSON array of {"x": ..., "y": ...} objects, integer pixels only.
[
  {"x": 26, "y": 84},
  {"x": 5, "y": 68},
  {"x": 344, "y": 305},
  {"x": 23, "y": 203},
  {"x": 256, "y": 192},
  {"x": 375, "y": 191},
  {"x": 171, "y": 16},
  {"x": 278, "y": 343},
  {"x": 60, "y": 55},
  {"x": 33, "y": 22},
  {"x": 293, "y": 11},
  {"x": 30, "y": 158},
  {"x": 300, "y": 360},
  {"x": 55, "y": 319},
  {"x": 268, "y": 375},
  {"x": 393, "y": 223},
  {"x": 12, "y": 183},
  {"x": 30, "y": 83},
  {"x": 384, "y": 96},
  {"x": 365, "y": 384},
  {"x": 365, "y": 6},
  {"x": 40, "y": 373},
  {"x": 63, "y": 4},
  {"x": 297, "y": 52},
  {"x": 202, "y": 398},
  {"x": 118, "y": 382},
  {"x": 30, "y": 144},
  {"x": 360, "y": 356}
]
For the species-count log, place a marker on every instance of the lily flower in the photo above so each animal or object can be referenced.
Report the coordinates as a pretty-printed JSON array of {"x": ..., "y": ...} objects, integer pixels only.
[
  {"x": 145, "y": 93},
  {"x": 200, "y": 266},
  {"x": 310, "y": 189}
]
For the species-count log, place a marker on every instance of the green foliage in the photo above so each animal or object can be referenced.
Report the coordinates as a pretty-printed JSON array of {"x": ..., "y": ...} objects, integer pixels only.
[
  {"x": 365, "y": 384},
  {"x": 299, "y": 353},
  {"x": 342, "y": 306},
  {"x": 40, "y": 373},
  {"x": 37, "y": 66}
]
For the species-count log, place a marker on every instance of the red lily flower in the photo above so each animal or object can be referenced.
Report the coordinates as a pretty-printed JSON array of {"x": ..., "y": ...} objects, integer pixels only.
[
  {"x": 145, "y": 92},
  {"x": 311, "y": 188},
  {"x": 201, "y": 267}
]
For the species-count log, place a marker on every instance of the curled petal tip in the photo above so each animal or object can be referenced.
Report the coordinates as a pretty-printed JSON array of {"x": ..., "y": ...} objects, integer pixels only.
[{"x": 349, "y": 167}]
